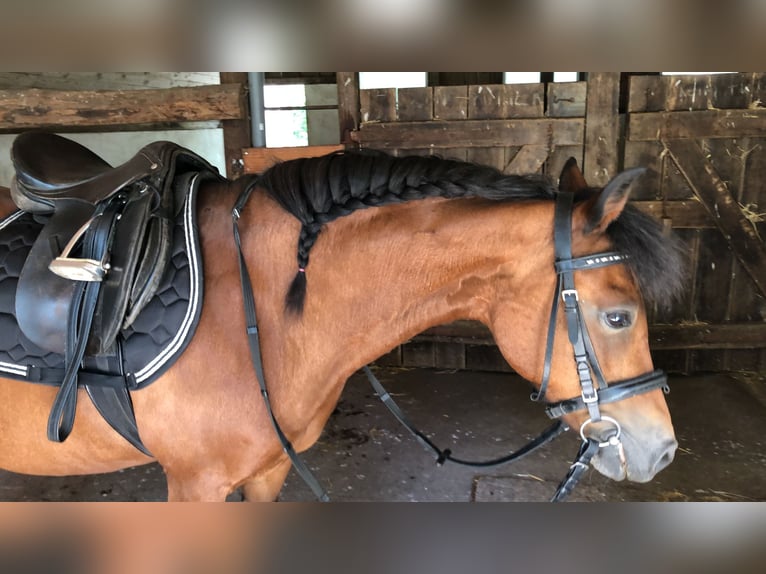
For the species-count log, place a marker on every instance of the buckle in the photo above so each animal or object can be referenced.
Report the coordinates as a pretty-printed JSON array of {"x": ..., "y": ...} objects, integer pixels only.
[
  {"x": 566, "y": 292},
  {"x": 592, "y": 399}
]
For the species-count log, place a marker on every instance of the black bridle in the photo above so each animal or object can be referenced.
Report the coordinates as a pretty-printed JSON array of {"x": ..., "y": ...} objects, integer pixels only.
[{"x": 594, "y": 389}]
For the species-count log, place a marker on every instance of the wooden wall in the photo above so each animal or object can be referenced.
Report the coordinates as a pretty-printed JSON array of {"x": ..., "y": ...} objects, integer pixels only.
[{"x": 704, "y": 137}]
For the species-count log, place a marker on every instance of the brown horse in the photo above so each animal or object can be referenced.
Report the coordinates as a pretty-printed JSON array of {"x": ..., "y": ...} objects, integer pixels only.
[{"x": 377, "y": 277}]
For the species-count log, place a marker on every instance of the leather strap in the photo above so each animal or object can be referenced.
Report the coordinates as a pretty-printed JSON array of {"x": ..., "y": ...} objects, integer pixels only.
[
  {"x": 587, "y": 451},
  {"x": 613, "y": 393},
  {"x": 95, "y": 245},
  {"x": 255, "y": 353},
  {"x": 442, "y": 456}
]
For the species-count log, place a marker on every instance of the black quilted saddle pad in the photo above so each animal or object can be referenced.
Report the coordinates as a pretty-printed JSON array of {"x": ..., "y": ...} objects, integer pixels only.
[{"x": 149, "y": 346}]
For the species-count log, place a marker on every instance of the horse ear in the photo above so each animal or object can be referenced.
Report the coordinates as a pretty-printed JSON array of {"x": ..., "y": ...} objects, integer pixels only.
[
  {"x": 572, "y": 179},
  {"x": 608, "y": 204}
]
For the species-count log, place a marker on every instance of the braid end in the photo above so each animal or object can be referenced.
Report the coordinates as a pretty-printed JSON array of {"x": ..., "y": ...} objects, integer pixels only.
[{"x": 296, "y": 295}]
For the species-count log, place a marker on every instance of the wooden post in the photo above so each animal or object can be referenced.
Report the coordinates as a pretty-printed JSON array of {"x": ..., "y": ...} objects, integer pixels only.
[
  {"x": 602, "y": 127},
  {"x": 236, "y": 133},
  {"x": 348, "y": 105}
]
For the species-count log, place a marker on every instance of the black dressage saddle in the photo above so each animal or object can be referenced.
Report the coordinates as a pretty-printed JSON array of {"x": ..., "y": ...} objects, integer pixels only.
[
  {"x": 102, "y": 252},
  {"x": 121, "y": 215}
]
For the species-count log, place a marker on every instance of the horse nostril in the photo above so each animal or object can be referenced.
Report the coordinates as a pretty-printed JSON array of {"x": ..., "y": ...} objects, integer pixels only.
[{"x": 667, "y": 456}]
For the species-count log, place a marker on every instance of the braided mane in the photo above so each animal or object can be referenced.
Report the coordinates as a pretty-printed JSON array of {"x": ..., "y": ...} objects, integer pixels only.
[{"x": 319, "y": 190}]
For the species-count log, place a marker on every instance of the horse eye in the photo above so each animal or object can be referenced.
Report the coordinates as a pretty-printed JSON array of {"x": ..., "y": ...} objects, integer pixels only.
[{"x": 618, "y": 319}]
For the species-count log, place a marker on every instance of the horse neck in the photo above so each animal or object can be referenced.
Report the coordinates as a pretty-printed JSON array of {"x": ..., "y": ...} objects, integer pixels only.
[{"x": 378, "y": 277}]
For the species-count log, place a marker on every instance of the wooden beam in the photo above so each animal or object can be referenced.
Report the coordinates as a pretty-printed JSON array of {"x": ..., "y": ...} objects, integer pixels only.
[
  {"x": 348, "y": 104},
  {"x": 656, "y": 126},
  {"x": 259, "y": 159},
  {"x": 236, "y": 133},
  {"x": 723, "y": 208},
  {"x": 470, "y": 133},
  {"x": 35, "y": 108},
  {"x": 602, "y": 128},
  {"x": 661, "y": 337},
  {"x": 708, "y": 336},
  {"x": 529, "y": 159},
  {"x": 683, "y": 214}
]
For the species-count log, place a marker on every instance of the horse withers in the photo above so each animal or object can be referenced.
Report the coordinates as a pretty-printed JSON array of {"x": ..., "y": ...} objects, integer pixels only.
[{"x": 479, "y": 245}]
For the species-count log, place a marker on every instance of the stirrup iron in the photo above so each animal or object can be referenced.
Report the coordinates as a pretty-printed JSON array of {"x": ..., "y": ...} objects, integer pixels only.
[{"x": 79, "y": 269}]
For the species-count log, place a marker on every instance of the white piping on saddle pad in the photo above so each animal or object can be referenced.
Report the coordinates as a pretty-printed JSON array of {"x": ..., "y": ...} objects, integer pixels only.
[{"x": 194, "y": 291}]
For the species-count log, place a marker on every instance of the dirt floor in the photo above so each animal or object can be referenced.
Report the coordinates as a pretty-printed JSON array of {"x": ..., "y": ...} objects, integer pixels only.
[{"x": 365, "y": 455}]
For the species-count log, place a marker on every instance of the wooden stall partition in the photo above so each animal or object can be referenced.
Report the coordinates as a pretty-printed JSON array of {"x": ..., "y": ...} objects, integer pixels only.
[
  {"x": 700, "y": 135},
  {"x": 516, "y": 128},
  {"x": 705, "y": 139}
]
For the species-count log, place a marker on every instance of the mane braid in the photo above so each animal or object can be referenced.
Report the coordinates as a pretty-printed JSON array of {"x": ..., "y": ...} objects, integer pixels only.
[{"x": 318, "y": 190}]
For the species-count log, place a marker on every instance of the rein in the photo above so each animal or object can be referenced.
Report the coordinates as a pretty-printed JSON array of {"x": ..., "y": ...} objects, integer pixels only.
[{"x": 593, "y": 393}]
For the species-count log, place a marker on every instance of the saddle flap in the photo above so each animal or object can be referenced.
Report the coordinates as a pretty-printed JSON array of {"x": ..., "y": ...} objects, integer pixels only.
[{"x": 43, "y": 298}]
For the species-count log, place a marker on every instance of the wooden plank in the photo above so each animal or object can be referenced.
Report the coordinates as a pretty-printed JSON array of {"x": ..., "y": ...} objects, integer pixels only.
[
  {"x": 450, "y": 102},
  {"x": 558, "y": 157},
  {"x": 745, "y": 302},
  {"x": 505, "y": 101},
  {"x": 647, "y": 93},
  {"x": 486, "y": 102},
  {"x": 378, "y": 105},
  {"x": 348, "y": 104},
  {"x": 108, "y": 80},
  {"x": 602, "y": 128},
  {"x": 259, "y": 159},
  {"x": 712, "y": 278},
  {"x": 723, "y": 208},
  {"x": 687, "y": 214},
  {"x": 529, "y": 159},
  {"x": 689, "y": 92},
  {"x": 449, "y": 355},
  {"x": 35, "y": 108},
  {"x": 661, "y": 337},
  {"x": 236, "y": 133},
  {"x": 567, "y": 99},
  {"x": 470, "y": 133},
  {"x": 491, "y": 156},
  {"x": 485, "y": 358},
  {"x": 695, "y": 125},
  {"x": 649, "y": 155},
  {"x": 391, "y": 359},
  {"x": 419, "y": 354},
  {"x": 708, "y": 336},
  {"x": 416, "y": 104}
]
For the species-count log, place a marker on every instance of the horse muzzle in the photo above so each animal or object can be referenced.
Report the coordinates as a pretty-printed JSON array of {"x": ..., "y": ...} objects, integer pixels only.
[{"x": 631, "y": 459}]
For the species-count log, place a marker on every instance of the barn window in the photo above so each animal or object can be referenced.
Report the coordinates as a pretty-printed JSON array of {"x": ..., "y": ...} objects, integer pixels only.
[
  {"x": 535, "y": 77},
  {"x": 286, "y": 117},
  {"x": 373, "y": 80},
  {"x": 301, "y": 114}
]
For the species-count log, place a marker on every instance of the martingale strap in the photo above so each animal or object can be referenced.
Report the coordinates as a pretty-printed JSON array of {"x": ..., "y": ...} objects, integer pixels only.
[
  {"x": 253, "y": 338},
  {"x": 444, "y": 455}
]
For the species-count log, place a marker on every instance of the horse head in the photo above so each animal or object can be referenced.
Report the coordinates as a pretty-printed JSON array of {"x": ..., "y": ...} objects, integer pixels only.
[{"x": 631, "y": 265}]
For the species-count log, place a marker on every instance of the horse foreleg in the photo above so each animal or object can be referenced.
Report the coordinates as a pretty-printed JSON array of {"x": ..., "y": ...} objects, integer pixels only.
[
  {"x": 265, "y": 487},
  {"x": 197, "y": 487}
]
